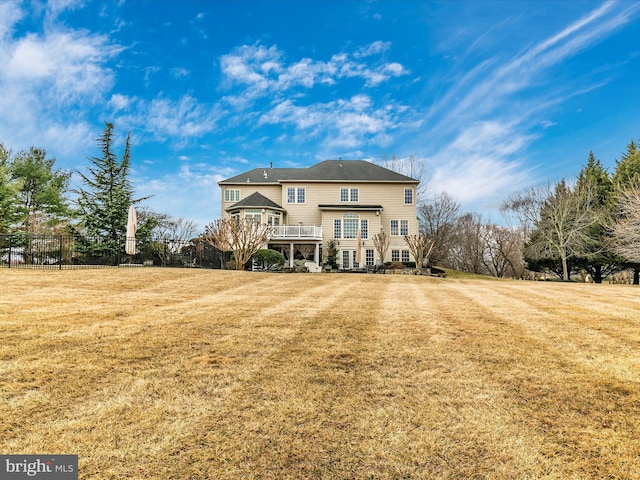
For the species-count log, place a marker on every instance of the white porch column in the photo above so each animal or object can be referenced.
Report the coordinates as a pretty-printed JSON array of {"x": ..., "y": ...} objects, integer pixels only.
[
  {"x": 316, "y": 254},
  {"x": 291, "y": 253}
]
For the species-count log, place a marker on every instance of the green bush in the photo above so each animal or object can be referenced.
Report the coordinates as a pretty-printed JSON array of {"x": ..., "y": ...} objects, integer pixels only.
[{"x": 269, "y": 259}]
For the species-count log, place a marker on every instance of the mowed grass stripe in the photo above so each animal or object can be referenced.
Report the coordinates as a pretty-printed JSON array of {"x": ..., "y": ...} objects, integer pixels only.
[{"x": 574, "y": 403}]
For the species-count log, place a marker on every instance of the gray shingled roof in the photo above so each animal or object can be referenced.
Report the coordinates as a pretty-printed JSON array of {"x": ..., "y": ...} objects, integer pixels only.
[
  {"x": 327, "y": 171},
  {"x": 256, "y": 200}
]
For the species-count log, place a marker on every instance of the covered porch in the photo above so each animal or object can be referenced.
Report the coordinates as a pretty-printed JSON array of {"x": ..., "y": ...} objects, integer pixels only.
[{"x": 288, "y": 237}]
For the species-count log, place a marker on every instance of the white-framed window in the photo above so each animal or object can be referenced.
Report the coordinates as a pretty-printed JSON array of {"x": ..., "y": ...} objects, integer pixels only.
[
  {"x": 350, "y": 224},
  {"x": 337, "y": 228},
  {"x": 296, "y": 195},
  {"x": 404, "y": 227},
  {"x": 405, "y": 255},
  {"x": 364, "y": 229},
  {"x": 254, "y": 214},
  {"x": 355, "y": 256},
  {"x": 394, "y": 228},
  {"x": 395, "y": 255},
  {"x": 368, "y": 257},
  {"x": 231, "y": 195},
  {"x": 349, "y": 195},
  {"x": 408, "y": 196}
]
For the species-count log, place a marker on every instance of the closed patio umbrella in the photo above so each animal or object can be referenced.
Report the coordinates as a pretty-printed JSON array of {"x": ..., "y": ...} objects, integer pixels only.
[
  {"x": 358, "y": 248},
  {"x": 132, "y": 228}
]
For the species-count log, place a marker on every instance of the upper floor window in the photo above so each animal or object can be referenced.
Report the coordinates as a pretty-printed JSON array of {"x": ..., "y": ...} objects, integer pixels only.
[
  {"x": 408, "y": 196},
  {"x": 349, "y": 195},
  {"x": 350, "y": 223},
  {"x": 394, "y": 227},
  {"x": 296, "y": 195},
  {"x": 364, "y": 229},
  {"x": 231, "y": 195}
]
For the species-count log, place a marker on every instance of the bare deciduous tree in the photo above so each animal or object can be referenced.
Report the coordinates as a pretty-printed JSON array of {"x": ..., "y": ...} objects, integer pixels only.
[
  {"x": 468, "y": 253},
  {"x": 504, "y": 251},
  {"x": 625, "y": 238},
  {"x": 243, "y": 237},
  {"x": 306, "y": 250},
  {"x": 381, "y": 243},
  {"x": 563, "y": 224},
  {"x": 411, "y": 167},
  {"x": 438, "y": 217},
  {"x": 170, "y": 235},
  {"x": 420, "y": 247}
]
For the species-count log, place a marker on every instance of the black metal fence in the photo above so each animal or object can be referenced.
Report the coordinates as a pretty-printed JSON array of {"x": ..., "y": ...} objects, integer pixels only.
[{"x": 76, "y": 251}]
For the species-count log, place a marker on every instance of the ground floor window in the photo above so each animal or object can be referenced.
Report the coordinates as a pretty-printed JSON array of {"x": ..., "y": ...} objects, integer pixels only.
[
  {"x": 395, "y": 255},
  {"x": 369, "y": 257},
  {"x": 405, "y": 255}
]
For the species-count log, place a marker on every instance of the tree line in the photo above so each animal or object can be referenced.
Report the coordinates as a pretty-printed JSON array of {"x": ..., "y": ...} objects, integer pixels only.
[
  {"x": 587, "y": 226},
  {"x": 36, "y": 198}
]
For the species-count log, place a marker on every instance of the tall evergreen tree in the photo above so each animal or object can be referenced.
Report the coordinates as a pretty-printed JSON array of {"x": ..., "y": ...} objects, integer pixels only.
[
  {"x": 628, "y": 167},
  {"x": 107, "y": 194},
  {"x": 597, "y": 259}
]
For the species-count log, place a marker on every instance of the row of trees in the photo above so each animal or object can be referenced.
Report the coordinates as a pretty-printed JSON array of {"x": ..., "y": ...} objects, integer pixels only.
[
  {"x": 590, "y": 225},
  {"x": 36, "y": 199}
]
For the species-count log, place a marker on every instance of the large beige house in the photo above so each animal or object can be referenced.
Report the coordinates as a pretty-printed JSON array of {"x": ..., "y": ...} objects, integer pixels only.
[{"x": 347, "y": 201}]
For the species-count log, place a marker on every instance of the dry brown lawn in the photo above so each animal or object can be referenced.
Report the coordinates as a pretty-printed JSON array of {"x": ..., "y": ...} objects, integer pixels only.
[{"x": 193, "y": 374}]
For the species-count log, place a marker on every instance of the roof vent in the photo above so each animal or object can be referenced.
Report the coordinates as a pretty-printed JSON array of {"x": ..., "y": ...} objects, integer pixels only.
[
  {"x": 248, "y": 180},
  {"x": 265, "y": 174}
]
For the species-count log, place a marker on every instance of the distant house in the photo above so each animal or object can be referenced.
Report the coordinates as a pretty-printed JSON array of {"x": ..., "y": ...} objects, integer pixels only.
[{"x": 332, "y": 200}]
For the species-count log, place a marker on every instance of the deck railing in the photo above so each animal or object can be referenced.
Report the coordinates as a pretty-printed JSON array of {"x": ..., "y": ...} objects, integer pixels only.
[{"x": 298, "y": 231}]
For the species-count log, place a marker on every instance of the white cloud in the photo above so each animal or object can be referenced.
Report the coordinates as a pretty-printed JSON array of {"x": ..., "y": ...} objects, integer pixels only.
[
  {"x": 263, "y": 71},
  {"x": 44, "y": 76},
  {"x": 120, "y": 102},
  {"x": 342, "y": 123}
]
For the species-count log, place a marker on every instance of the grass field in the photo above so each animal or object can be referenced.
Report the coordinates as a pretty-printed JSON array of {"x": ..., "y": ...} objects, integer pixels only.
[{"x": 193, "y": 374}]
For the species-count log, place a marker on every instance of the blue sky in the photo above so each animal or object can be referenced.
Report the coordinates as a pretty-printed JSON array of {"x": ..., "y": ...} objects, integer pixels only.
[{"x": 491, "y": 97}]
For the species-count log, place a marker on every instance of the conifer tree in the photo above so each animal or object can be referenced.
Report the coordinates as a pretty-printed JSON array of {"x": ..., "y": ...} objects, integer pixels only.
[
  {"x": 597, "y": 259},
  {"x": 107, "y": 194}
]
